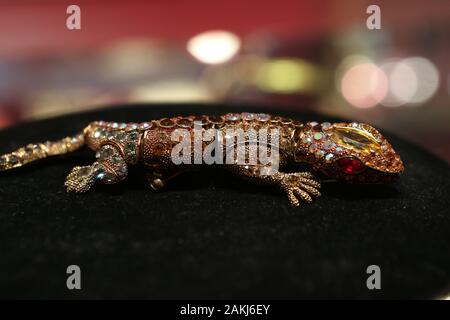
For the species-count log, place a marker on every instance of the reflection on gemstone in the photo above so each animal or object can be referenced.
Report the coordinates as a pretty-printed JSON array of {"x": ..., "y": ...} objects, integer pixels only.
[
  {"x": 320, "y": 153},
  {"x": 144, "y": 126},
  {"x": 100, "y": 176},
  {"x": 232, "y": 117},
  {"x": 98, "y": 133},
  {"x": 350, "y": 165},
  {"x": 355, "y": 138},
  {"x": 262, "y": 117},
  {"x": 318, "y": 136},
  {"x": 247, "y": 116},
  {"x": 326, "y": 125}
]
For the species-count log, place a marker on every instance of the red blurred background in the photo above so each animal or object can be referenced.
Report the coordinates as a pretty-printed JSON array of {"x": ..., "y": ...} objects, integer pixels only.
[{"x": 303, "y": 55}]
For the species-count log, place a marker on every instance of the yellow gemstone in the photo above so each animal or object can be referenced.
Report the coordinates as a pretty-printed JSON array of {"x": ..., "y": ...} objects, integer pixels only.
[{"x": 354, "y": 138}]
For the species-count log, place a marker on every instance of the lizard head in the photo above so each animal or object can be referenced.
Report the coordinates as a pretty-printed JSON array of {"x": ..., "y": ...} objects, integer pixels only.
[{"x": 352, "y": 152}]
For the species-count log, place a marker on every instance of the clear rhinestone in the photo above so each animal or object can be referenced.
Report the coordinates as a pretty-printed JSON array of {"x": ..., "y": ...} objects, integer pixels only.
[
  {"x": 115, "y": 125},
  {"x": 326, "y": 125},
  {"x": 123, "y": 125},
  {"x": 320, "y": 153},
  {"x": 247, "y": 116},
  {"x": 338, "y": 150},
  {"x": 306, "y": 139},
  {"x": 98, "y": 133},
  {"x": 232, "y": 117},
  {"x": 329, "y": 156},
  {"x": 262, "y": 117},
  {"x": 100, "y": 175}
]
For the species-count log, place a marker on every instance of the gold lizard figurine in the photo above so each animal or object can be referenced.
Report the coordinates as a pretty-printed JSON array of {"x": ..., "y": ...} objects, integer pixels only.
[{"x": 351, "y": 152}]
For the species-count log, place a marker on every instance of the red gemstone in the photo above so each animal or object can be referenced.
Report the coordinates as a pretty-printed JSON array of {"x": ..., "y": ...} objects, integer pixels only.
[{"x": 350, "y": 165}]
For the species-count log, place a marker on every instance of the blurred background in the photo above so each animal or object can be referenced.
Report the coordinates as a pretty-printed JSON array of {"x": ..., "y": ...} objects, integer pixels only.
[{"x": 304, "y": 55}]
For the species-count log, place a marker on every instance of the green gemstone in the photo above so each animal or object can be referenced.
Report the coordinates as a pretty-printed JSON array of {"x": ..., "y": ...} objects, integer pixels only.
[{"x": 318, "y": 136}]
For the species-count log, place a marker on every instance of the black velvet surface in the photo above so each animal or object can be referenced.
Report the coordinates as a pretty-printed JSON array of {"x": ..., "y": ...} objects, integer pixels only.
[{"x": 214, "y": 236}]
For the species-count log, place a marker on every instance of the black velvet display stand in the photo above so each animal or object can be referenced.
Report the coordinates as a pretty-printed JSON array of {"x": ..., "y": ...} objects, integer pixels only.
[{"x": 211, "y": 235}]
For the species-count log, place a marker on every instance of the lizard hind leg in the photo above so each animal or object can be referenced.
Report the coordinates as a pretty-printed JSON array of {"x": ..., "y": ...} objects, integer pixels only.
[
  {"x": 109, "y": 168},
  {"x": 298, "y": 186}
]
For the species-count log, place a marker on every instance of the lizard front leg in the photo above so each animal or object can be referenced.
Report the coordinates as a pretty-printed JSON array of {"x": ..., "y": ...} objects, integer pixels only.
[
  {"x": 299, "y": 186},
  {"x": 109, "y": 168}
]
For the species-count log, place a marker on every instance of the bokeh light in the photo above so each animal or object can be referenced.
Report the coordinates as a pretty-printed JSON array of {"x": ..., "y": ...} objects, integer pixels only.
[
  {"x": 346, "y": 64},
  {"x": 364, "y": 85},
  {"x": 287, "y": 76},
  {"x": 403, "y": 83},
  {"x": 412, "y": 81},
  {"x": 171, "y": 91},
  {"x": 214, "y": 47},
  {"x": 427, "y": 76}
]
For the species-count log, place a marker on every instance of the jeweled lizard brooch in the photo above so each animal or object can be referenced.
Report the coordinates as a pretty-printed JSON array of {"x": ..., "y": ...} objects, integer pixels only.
[{"x": 350, "y": 152}]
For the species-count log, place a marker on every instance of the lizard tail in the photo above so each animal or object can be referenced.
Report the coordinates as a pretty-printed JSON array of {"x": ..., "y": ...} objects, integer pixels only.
[{"x": 37, "y": 151}]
